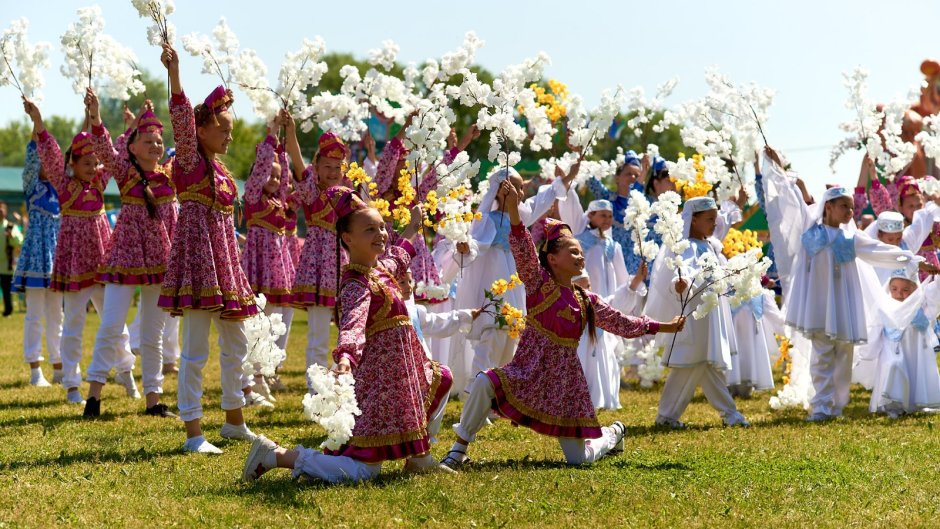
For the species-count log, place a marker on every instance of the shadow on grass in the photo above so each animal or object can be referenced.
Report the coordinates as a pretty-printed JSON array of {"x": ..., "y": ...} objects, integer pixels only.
[
  {"x": 65, "y": 459},
  {"x": 658, "y": 467},
  {"x": 19, "y": 404},
  {"x": 49, "y": 423}
]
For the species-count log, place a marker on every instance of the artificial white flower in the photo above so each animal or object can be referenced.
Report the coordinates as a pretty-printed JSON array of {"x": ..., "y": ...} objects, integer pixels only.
[
  {"x": 262, "y": 332},
  {"x": 95, "y": 59},
  {"x": 384, "y": 56},
  {"x": 23, "y": 62},
  {"x": 332, "y": 405}
]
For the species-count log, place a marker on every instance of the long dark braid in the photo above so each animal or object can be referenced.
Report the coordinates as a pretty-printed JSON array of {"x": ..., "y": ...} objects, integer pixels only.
[
  {"x": 150, "y": 201},
  {"x": 202, "y": 115},
  {"x": 551, "y": 247},
  {"x": 342, "y": 225}
]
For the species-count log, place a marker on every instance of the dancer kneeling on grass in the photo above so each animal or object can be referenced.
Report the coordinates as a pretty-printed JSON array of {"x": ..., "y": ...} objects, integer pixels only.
[
  {"x": 543, "y": 387},
  {"x": 400, "y": 391}
]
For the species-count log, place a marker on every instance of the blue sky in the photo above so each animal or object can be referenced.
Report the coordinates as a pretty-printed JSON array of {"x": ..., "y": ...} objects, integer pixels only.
[{"x": 799, "y": 48}]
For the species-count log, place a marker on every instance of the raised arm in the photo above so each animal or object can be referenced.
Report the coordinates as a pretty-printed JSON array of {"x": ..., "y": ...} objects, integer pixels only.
[
  {"x": 292, "y": 144},
  {"x": 572, "y": 213},
  {"x": 101, "y": 141},
  {"x": 921, "y": 226},
  {"x": 181, "y": 115},
  {"x": 880, "y": 197},
  {"x": 616, "y": 322},
  {"x": 877, "y": 253},
  {"x": 521, "y": 245},
  {"x": 31, "y": 168},
  {"x": 261, "y": 171},
  {"x": 598, "y": 189}
]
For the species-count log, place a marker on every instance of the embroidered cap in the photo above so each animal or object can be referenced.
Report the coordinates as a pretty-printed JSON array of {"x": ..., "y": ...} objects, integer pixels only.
[
  {"x": 149, "y": 122},
  {"x": 600, "y": 205},
  {"x": 555, "y": 229},
  {"x": 699, "y": 204},
  {"x": 890, "y": 222},
  {"x": 905, "y": 273},
  {"x": 344, "y": 200},
  {"x": 907, "y": 186},
  {"x": 81, "y": 145},
  {"x": 331, "y": 146},
  {"x": 835, "y": 192},
  {"x": 219, "y": 100},
  {"x": 630, "y": 158}
]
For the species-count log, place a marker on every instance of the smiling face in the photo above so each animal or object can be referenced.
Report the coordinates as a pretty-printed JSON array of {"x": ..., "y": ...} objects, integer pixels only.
[
  {"x": 901, "y": 289},
  {"x": 890, "y": 238},
  {"x": 838, "y": 211},
  {"x": 565, "y": 260},
  {"x": 909, "y": 204},
  {"x": 216, "y": 135},
  {"x": 661, "y": 185},
  {"x": 627, "y": 174},
  {"x": 365, "y": 237},
  {"x": 85, "y": 168},
  {"x": 602, "y": 220},
  {"x": 703, "y": 224},
  {"x": 274, "y": 181},
  {"x": 329, "y": 172},
  {"x": 147, "y": 147}
]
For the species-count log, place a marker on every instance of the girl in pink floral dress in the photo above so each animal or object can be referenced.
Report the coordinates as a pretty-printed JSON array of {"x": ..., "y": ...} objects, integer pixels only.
[
  {"x": 315, "y": 282},
  {"x": 137, "y": 257},
  {"x": 266, "y": 257},
  {"x": 204, "y": 281},
  {"x": 543, "y": 386},
  {"x": 400, "y": 391},
  {"x": 84, "y": 240}
]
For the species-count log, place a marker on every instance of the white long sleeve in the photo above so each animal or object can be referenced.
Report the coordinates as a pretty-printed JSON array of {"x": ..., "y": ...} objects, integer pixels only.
[
  {"x": 879, "y": 254},
  {"x": 572, "y": 213},
  {"x": 537, "y": 206},
  {"x": 921, "y": 226},
  {"x": 444, "y": 324}
]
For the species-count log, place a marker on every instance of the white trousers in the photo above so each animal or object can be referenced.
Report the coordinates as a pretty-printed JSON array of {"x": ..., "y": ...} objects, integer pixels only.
[
  {"x": 318, "y": 335},
  {"x": 334, "y": 469},
  {"x": 234, "y": 349},
  {"x": 831, "y": 368},
  {"x": 680, "y": 387},
  {"x": 287, "y": 316},
  {"x": 171, "y": 336},
  {"x": 476, "y": 410},
  {"x": 76, "y": 312},
  {"x": 494, "y": 349},
  {"x": 43, "y": 308},
  {"x": 108, "y": 353}
]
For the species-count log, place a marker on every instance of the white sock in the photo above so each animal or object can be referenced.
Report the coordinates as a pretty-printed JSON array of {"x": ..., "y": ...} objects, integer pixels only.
[
  {"x": 34, "y": 370},
  {"x": 270, "y": 460},
  {"x": 459, "y": 447}
]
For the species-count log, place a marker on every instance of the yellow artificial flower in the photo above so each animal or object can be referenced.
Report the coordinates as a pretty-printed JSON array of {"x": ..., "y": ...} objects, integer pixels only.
[
  {"x": 357, "y": 175},
  {"x": 382, "y": 206},
  {"x": 738, "y": 242}
]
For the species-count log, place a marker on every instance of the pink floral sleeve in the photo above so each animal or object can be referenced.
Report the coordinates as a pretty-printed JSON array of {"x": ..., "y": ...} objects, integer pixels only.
[
  {"x": 531, "y": 273},
  {"x": 861, "y": 202},
  {"x": 616, "y": 322},
  {"x": 399, "y": 259},
  {"x": 261, "y": 171},
  {"x": 120, "y": 144},
  {"x": 307, "y": 189},
  {"x": 880, "y": 197},
  {"x": 184, "y": 132},
  {"x": 114, "y": 164},
  {"x": 385, "y": 174},
  {"x": 354, "y": 314},
  {"x": 286, "y": 176},
  {"x": 50, "y": 156}
]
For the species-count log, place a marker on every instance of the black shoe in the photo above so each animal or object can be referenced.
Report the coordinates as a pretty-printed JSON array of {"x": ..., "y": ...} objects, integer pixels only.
[
  {"x": 161, "y": 410},
  {"x": 92, "y": 407}
]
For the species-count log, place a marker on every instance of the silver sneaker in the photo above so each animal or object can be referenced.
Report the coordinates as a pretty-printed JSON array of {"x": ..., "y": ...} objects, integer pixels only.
[
  {"x": 126, "y": 379},
  {"x": 254, "y": 464}
]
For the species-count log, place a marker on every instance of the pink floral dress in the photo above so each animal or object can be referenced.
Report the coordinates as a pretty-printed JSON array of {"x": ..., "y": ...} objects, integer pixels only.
[
  {"x": 139, "y": 244},
  {"x": 85, "y": 235},
  {"x": 397, "y": 386},
  {"x": 315, "y": 280},
  {"x": 266, "y": 258},
  {"x": 543, "y": 386},
  {"x": 203, "y": 271},
  {"x": 294, "y": 243}
]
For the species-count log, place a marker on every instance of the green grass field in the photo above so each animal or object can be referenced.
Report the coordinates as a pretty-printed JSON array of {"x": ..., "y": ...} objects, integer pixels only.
[{"x": 127, "y": 470}]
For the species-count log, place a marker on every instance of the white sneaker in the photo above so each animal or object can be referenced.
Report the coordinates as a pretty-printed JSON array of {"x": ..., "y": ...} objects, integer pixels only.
[
  {"x": 37, "y": 379},
  {"x": 75, "y": 397},
  {"x": 620, "y": 431},
  {"x": 57, "y": 376},
  {"x": 126, "y": 379},
  {"x": 199, "y": 445},
  {"x": 256, "y": 399},
  {"x": 670, "y": 423},
  {"x": 817, "y": 417},
  {"x": 239, "y": 432},
  {"x": 426, "y": 465},
  {"x": 261, "y": 387},
  {"x": 261, "y": 447}
]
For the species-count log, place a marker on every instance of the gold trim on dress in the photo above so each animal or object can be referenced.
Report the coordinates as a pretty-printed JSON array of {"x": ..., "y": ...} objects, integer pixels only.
[
  {"x": 375, "y": 441},
  {"x": 583, "y": 422}
]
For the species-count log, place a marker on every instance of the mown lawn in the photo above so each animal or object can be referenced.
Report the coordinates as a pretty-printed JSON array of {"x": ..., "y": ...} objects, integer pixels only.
[{"x": 127, "y": 470}]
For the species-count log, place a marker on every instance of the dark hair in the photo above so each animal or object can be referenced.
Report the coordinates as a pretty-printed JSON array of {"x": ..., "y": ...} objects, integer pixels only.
[
  {"x": 149, "y": 200},
  {"x": 551, "y": 247},
  {"x": 664, "y": 173},
  {"x": 342, "y": 226},
  {"x": 66, "y": 159}
]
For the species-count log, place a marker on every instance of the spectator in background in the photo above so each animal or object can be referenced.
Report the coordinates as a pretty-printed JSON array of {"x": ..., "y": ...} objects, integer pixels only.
[{"x": 12, "y": 240}]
